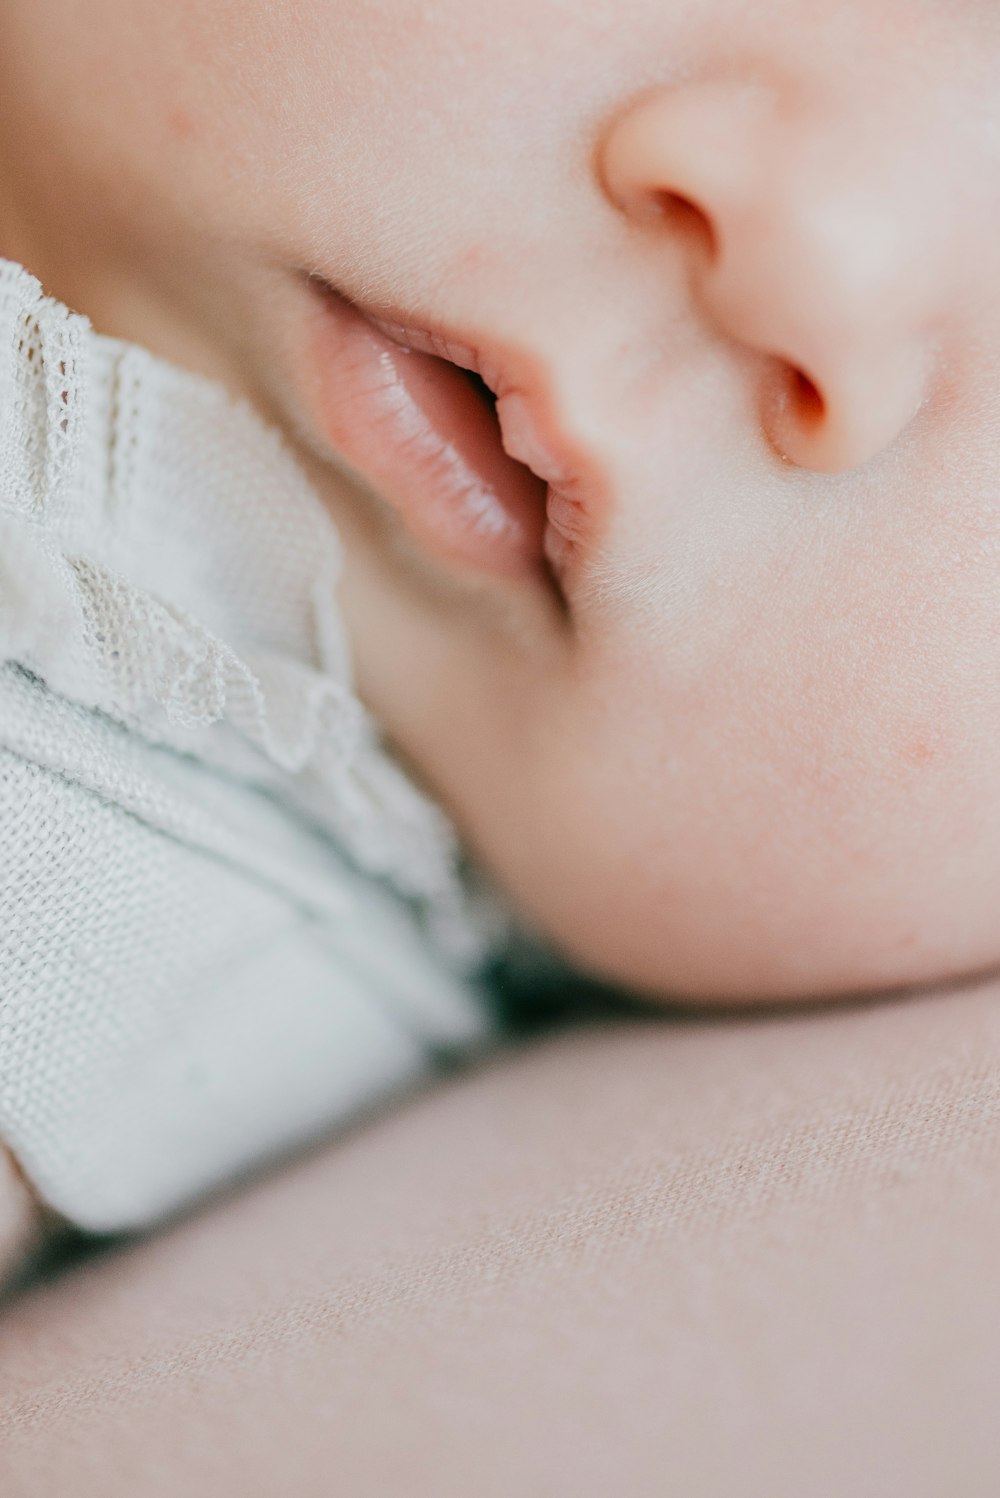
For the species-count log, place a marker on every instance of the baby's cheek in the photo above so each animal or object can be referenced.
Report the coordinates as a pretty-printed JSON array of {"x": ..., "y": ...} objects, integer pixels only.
[{"x": 803, "y": 804}]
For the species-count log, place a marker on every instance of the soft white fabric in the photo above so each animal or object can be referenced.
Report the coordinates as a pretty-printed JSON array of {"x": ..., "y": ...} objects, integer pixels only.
[{"x": 227, "y": 918}]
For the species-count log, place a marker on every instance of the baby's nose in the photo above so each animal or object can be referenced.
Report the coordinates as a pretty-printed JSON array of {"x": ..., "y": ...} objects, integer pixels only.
[{"x": 808, "y": 241}]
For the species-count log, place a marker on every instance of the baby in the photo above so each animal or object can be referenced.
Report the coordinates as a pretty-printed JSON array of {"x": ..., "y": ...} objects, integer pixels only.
[{"x": 645, "y": 356}]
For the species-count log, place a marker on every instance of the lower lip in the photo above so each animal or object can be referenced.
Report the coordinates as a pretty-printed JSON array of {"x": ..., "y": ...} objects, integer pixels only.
[{"x": 418, "y": 431}]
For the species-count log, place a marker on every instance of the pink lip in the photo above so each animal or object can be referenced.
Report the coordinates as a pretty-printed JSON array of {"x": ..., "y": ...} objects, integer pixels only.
[{"x": 493, "y": 490}]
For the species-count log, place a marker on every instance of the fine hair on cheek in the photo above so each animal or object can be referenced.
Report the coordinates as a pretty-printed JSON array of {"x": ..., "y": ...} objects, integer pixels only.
[{"x": 646, "y": 591}]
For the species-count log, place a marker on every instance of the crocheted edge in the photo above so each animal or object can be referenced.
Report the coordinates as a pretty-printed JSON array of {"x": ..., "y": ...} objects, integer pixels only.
[{"x": 388, "y": 826}]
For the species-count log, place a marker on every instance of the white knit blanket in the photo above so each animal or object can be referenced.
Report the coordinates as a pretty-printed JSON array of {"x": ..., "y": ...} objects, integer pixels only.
[{"x": 227, "y": 919}]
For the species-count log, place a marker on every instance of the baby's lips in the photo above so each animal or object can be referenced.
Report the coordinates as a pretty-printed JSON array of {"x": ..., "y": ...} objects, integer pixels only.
[
  {"x": 566, "y": 516},
  {"x": 524, "y": 441},
  {"x": 494, "y": 484},
  {"x": 417, "y": 430}
]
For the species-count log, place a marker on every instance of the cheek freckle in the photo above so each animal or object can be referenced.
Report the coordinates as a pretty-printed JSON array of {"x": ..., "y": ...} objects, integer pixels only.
[
  {"x": 182, "y": 125},
  {"x": 918, "y": 752},
  {"x": 473, "y": 258}
]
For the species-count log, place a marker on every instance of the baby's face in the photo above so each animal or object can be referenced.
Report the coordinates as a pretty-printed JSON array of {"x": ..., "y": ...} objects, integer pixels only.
[{"x": 722, "y": 708}]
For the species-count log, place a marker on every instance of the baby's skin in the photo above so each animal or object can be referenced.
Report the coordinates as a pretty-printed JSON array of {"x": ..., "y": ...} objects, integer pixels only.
[
  {"x": 710, "y": 678},
  {"x": 688, "y": 605}
]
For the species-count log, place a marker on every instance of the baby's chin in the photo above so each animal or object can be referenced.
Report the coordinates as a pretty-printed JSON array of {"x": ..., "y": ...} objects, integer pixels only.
[
  {"x": 718, "y": 901},
  {"x": 720, "y": 954}
]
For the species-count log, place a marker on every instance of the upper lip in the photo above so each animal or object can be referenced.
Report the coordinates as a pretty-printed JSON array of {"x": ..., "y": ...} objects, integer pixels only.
[{"x": 533, "y": 429}]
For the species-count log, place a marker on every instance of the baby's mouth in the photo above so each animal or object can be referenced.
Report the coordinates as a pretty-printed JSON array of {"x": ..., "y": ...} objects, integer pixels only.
[{"x": 432, "y": 431}]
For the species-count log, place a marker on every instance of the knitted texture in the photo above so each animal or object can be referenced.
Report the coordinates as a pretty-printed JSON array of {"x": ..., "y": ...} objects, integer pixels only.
[{"x": 227, "y": 918}]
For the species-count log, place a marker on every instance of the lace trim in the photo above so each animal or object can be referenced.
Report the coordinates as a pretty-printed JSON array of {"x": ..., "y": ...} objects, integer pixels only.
[
  {"x": 100, "y": 445},
  {"x": 41, "y": 366}
]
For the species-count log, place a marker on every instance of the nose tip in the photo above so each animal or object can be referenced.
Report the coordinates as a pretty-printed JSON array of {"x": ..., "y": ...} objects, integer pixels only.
[{"x": 800, "y": 247}]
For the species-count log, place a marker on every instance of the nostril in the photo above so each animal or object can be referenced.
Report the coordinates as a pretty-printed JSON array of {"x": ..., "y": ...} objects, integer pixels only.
[
  {"x": 807, "y": 402},
  {"x": 796, "y": 414},
  {"x": 685, "y": 219}
]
